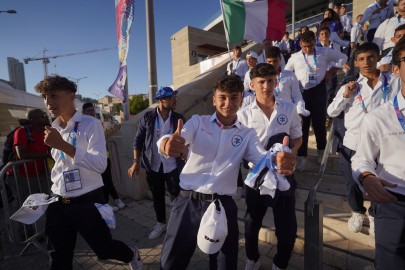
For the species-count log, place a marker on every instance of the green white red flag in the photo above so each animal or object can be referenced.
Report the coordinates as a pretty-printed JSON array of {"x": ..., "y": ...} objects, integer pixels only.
[{"x": 255, "y": 21}]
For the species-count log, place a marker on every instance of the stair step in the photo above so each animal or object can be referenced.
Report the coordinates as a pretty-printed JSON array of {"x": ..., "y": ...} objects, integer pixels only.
[{"x": 336, "y": 238}]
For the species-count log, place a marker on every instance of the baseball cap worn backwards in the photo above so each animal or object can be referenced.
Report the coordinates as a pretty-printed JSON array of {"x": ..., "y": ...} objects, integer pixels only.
[
  {"x": 213, "y": 228},
  {"x": 251, "y": 54},
  {"x": 165, "y": 92}
]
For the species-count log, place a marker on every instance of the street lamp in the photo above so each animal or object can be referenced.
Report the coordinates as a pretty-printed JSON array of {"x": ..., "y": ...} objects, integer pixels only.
[
  {"x": 11, "y": 11},
  {"x": 77, "y": 80}
]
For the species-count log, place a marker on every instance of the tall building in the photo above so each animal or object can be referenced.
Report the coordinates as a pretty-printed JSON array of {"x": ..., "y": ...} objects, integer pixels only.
[{"x": 16, "y": 73}]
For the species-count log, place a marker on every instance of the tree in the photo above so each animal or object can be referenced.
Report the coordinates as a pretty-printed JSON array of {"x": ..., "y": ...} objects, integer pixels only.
[{"x": 138, "y": 104}]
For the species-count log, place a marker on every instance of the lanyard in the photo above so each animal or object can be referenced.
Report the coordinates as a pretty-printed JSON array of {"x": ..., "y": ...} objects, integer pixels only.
[
  {"x": 278, "y": 84},
  {"x": 307, "y": 63},
  {"x": 383, "y": 96},
  {"x": 158, "y": 126},
  {"x": 61, "y": 154},
  {"x": 360, "y": 99},
  {"x": 398, "y": 112},
  {"x": 384, "y": 89}
]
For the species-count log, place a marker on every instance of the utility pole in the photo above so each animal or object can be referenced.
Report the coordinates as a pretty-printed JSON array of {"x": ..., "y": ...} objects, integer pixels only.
[{"x": 151, "y": 50}]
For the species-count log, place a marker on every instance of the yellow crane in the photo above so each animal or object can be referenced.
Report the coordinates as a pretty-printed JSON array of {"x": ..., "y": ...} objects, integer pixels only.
[{"x": 45, "y": 58}]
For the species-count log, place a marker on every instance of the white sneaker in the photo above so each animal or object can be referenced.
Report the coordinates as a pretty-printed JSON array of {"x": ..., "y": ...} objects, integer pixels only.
[
  {"x": 158, "y": 229},
  {"x": 355, "y": 222},
  {"x": 136, "y": 263},
  {"x": 119, "y": 203},
  {"x": 252, "y": 265},
  {"x": 274, "y": 267},
  {"x": 114, "y": 207},
  {"x": 301, "y": 161},
  {"x": 371, "y": 231}
]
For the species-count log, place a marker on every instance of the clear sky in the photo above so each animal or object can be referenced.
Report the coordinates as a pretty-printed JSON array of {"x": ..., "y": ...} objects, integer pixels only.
[{"x": 72, "y": 26}]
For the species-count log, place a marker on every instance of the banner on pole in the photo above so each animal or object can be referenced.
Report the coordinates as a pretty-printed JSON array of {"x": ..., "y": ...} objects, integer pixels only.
[{"x": 124, "y": 15}]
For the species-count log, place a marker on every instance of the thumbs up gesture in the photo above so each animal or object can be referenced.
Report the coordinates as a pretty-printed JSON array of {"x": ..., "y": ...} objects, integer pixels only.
[
  {"x": 285, "y": 161},
  {"x": 174, "y": 146}
]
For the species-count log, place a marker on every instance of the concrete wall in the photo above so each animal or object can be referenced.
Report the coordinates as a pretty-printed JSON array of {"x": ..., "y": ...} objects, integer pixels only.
[
  {"x": 360, "y": 6},
  {"x": 185, "y": 48}
]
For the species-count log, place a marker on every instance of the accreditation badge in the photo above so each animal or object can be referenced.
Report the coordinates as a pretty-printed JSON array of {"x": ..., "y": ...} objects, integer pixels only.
[
  {"x": 72, "y": 180},
  {"x": 312, "y": 77}
]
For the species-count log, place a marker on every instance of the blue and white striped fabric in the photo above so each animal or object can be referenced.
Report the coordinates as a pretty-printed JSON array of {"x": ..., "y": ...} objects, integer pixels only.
[{"x": 271, "y": 180}]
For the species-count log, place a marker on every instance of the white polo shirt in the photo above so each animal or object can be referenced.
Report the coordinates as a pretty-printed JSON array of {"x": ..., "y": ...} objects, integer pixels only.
[
  {"x": 215, "y": 154},
  {"x": 346, "y": 22},
  {"x": 382, "y": 139},
  {"x": 90, "y": 157},
  {"x": 386, "y": 59},
  {"x": 375, "y": 20},
  {"x": 324, "y": 58},
  {"x": 289, "y": 90},
  {"x": 239, "y": 66},
  {"x": 283, "y": 119},
  {"x": 357, "y": 33},
  {"x": 386, "y": 31},
  {"x": 352, "y": 108}
]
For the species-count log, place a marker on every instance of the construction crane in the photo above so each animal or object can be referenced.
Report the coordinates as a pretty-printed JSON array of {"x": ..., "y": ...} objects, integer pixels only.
[{"x": 45, "y": 59}]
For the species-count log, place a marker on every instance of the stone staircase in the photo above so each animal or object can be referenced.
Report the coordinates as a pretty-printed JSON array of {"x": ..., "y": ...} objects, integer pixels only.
[{"x": 342, "y": 249}]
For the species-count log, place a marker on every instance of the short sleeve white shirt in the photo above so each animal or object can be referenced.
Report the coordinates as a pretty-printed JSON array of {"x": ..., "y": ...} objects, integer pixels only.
[
  {"x": 289, "y": 89},
  {"x": 324, "y": 58},
  {"x": 239, "y": 66},
  {"x": 283, "y": 119}
]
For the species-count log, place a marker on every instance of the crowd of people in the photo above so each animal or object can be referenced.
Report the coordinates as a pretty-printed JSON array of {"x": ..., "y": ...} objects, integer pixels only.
[{"x": 264, "y": 108}]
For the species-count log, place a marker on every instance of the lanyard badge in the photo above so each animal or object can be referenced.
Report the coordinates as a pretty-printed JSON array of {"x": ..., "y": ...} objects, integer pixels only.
[
  {"x": 398, "y": 113},
  {"x": 311, "y": 71},
  {"x": 61, "y": 154}
]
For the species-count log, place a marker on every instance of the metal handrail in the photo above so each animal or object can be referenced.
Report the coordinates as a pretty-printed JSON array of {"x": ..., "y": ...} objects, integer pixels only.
[{"x": 312, "y": 193}]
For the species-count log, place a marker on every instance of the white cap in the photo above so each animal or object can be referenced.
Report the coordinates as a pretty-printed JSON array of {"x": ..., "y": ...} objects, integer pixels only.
[
  {"x": 251, "y": 54},
  {"x": 213, "y": 228},
  {"x": 33, "y": 208}
]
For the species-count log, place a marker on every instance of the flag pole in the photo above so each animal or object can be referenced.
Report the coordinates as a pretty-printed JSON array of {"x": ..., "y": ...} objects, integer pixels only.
[{"x": 226, "y": 31}]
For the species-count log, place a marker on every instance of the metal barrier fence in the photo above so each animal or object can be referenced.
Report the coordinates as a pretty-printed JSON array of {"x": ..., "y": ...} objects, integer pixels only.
[
  {"x": 116, "y": 172},
  {"x": 18, "y": 180}
]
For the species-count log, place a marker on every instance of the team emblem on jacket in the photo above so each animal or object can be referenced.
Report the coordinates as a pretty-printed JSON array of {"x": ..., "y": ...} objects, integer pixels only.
[
  {"x": 282, "y": 119},
  {"x": 236, "y": 140}
]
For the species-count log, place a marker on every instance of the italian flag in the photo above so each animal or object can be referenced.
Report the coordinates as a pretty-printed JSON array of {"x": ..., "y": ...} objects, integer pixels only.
[{"x": 255, "y": 21}]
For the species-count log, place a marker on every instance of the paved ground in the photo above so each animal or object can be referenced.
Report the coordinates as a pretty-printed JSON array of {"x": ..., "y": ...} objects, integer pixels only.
[{"x": 133, "y": 226}]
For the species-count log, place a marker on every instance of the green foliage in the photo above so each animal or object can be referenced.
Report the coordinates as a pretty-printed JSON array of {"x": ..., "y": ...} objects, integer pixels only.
[
  {"x": 138, "y": 104},
  {"x": 116, "y": 108}
]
